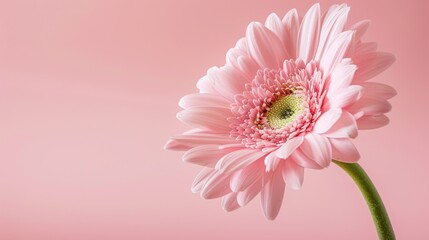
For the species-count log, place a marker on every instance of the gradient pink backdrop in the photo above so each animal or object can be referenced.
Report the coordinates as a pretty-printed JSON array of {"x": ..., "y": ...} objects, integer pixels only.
[{"x": 88, "y": 97}]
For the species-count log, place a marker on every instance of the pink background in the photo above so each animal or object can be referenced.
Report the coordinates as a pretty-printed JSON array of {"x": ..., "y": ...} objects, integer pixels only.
[{"x": 88, "y": 97}]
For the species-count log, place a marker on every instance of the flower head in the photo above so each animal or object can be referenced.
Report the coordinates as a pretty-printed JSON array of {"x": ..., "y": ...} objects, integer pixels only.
[{"x": 291, "y": 96}]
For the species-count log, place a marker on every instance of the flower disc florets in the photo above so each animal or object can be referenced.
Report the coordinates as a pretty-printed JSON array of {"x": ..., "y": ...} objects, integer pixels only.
[{"x": 278, "y": 105}]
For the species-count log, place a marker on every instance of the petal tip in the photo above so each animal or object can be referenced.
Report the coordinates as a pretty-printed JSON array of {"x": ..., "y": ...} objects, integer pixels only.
[
  {"x": 251, "y": 27},
  {"x": 182, "y": 102},
  {"x": 173, "y": 145},
  {"x": 295, "y": 186},
  {"x": 169, "y": 144},
  {"x": 180, "y": 115}
]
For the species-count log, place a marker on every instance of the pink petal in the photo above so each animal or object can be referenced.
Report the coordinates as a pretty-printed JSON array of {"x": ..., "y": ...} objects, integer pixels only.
[
  {"x": 203, "y": 100},
  {"x": 289, "y": 147},
  {"x": 342, "y": 76},
  {"x": 293, "y": 174},
  {"x": 234, "y": 53},
  {"x": 175, "y": 146},
  {"x": 206, "y": 155},
  {"x": 289, "y": 67},
  {"x": 336, "y": 51},
  {"x": 248, "y": 67},
  {"x": 302, "y": 160},
  {"x": 212, "y": 118},
  {"x": 229, "y": 202},
  {"x": 205, "y": 85},
  {"x": 372, "y": 64},
  {"x": 308, "y": 35},
  {"x": 227, "y": 81},
  {"x": 360, "y": 28},
  {"x": 216, "y": 186},
  {"x": 239, "y": 58},
  {"x": 371, "y": 106},
  {"x": 291, "y": 23},
  {"x": 345, "y": 127},
  {"x": 371, "y": 122},
  {"x": 344, "y": 150},
  {"x": 249, "y": 193},
  {"x": 272, "y": 193},
  {"x": 318, "y": 148},
  {"x": 230, "y": 146},
  {"x": 264, "y": 46},
  {"x": 363, "y": 48},
  {"x": 345, "y": 97},
  {"x": 238, "y": 159},
  {"x": 246, "y": 177},
  {"x": 327, "y": 120},
  {"x": 241, "y": 45},
  {"x": 333, "y": 24},
  {"x": 192, "y": 139},
  {"x": 201, "y": 179},
  {"x": 274, "y": 23},
  {"x": 271, "y": 161},
  {"x": 375, "y": 90}
]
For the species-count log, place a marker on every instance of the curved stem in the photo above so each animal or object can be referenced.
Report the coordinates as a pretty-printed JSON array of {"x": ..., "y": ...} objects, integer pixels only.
[{"x": 373, "y": 200}]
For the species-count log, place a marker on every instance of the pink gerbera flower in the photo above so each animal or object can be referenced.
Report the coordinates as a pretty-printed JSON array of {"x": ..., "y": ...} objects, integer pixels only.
[{"x": 291, "y": 96}]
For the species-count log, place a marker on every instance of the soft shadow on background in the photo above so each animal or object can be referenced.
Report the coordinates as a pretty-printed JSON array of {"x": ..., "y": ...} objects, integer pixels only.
[{"x": 88, "y": 97}]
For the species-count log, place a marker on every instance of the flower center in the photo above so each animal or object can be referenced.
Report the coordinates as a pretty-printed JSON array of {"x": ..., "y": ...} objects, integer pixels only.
[
  {"x": 278, "y": 105},
  {"x": 284, "y": 111}
]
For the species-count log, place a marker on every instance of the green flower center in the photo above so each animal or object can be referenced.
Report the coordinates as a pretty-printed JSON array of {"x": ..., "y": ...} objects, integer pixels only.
[{"x": 284, "y": 111}]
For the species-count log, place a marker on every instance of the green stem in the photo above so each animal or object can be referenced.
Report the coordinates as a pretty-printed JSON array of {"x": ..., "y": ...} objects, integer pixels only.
[{"x": 375, "y": 204}]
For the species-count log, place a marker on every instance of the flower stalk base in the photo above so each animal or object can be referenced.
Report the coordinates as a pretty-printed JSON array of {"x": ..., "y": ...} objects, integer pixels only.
[{"x": 372, "y": 198}]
